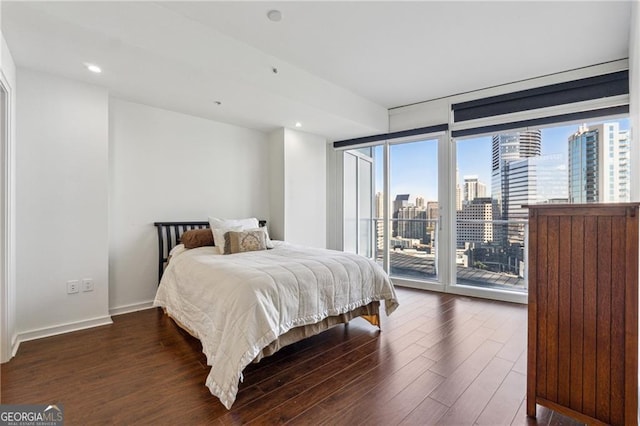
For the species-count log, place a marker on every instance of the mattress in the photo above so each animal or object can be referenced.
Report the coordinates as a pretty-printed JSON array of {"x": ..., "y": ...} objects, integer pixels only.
[{"x": 238, "y": 304}]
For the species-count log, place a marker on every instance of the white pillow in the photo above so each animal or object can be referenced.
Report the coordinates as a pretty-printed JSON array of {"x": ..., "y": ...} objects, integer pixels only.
[
  {"x": 249, "y": 223},
  {"x": 229, "y": 225},
  {"x": 218, "y": 236}
]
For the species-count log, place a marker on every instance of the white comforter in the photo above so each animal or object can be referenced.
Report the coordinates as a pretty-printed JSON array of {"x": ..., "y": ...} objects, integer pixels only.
[{"x": 237, "y": 304}]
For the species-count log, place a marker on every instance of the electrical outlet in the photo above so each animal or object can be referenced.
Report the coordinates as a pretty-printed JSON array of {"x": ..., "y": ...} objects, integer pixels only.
[
  {"x": 87, "y": 284},
  {"x": 73, "y": 286}
]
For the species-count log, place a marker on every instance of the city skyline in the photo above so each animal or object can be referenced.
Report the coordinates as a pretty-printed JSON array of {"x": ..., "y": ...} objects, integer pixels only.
[
  {"x": 496, "y": 175},
  {"x": 410, "y": 163}
]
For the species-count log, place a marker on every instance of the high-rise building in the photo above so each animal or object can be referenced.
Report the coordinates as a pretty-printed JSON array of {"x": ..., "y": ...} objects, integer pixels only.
[
  {"x": 379, "y": 205},
  {"x": 420, "y": 201},
  {"x": 478, "y": 229},
  {"x": 624, "y": 177},
  {"x": 599, "y": 164},
  {"x": 433, "y": 216},
  {"x": 433, "y": 211},
  {"x": 412, "y": 223},
  {"x": 473, "y": 189},
  {"x": 507, "y": 148},
  {"x": 402, "y": 200},
  {"x": 536, "y": 180},
  {"x": 533, "y": 180}
]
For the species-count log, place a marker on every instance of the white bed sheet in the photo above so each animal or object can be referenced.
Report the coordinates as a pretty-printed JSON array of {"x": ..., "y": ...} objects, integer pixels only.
[{"x": 237, "y": 304}]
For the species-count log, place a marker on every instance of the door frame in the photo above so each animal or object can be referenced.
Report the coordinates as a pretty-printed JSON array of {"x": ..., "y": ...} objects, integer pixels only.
[{"x": 7, "y": 224}]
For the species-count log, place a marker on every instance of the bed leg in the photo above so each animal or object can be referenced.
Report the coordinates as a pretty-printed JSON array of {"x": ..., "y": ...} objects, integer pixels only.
[{"x": 374, "y": 319}]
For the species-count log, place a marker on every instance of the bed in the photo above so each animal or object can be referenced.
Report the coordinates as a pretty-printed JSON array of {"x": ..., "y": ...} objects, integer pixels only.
[{"x": 245, "y": 306}]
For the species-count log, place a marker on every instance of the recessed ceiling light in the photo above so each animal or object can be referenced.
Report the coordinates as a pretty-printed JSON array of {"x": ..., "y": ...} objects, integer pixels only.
[
  {"x": 217, "y": 102},
  {"x": 93, "y": 68},
  {"x": 274, "y": 15},
  {"x": 298, "y": 124}
]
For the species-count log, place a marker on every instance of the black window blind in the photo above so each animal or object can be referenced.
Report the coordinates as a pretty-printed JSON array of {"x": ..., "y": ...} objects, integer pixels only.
[
  {"x": 387, "y": 136},
  {"x": 601, "y": 86}
]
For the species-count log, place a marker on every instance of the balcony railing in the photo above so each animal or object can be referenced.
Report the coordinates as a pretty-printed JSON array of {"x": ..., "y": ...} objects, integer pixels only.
[
  {"x": 412, "y": 247},
  {"x": 492, "y": 253},
  {"x": 489, "y": 253}
]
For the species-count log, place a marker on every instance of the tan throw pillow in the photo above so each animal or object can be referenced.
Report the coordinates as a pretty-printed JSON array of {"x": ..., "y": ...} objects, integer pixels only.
[
  {"x": 197, "y": 238},
  {"x": 218, "y": 236},
  {"x": 242, "y": 241}
]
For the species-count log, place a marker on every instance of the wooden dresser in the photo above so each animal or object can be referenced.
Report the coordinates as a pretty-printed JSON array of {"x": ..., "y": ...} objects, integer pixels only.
[{"x": 583, "y": 311}]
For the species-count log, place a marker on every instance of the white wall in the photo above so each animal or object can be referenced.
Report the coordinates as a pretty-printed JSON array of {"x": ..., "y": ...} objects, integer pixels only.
[
  {"x": 167, "y": 166},
  {"x": 298, "y": 187},
  {"x": 276, "y": 185},
  {"x": 305, "y": 188},
  {"x": 7, "y": 209},
  {"x": 61, "y": 203}
]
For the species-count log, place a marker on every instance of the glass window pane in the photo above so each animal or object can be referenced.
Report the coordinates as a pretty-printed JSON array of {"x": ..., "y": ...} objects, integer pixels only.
[
  {"x": 350, "y": 236},
  {"x": 598, "y": 161},
  {"x": 498, "y": 175},
  {"x": 365, "y": 199},
  {"x": 358, "y": 202},
  {"x": 414, "y": 209},
  {"x": 490, "y": 250}
]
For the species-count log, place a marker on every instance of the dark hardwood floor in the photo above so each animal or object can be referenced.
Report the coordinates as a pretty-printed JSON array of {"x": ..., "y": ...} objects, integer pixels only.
[{"x": 440, "y": 359}]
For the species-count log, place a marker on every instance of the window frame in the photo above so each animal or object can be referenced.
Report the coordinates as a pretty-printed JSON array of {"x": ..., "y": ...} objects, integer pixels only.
[
  {"x": 611, "y": 106},
  {"x": 451, "y": 286}
]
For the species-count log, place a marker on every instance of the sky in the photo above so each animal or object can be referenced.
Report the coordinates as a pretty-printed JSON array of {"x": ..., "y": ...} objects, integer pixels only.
[{"x": 414, "y": 165}]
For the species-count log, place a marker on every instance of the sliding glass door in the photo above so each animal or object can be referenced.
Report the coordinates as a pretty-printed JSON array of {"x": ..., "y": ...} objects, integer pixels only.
[
  {"x": 450, "y": 214},
  {"x": 445, "y": 207},
  {"x": 392, "y": 208},
  {"x": 414, "y": 210}
]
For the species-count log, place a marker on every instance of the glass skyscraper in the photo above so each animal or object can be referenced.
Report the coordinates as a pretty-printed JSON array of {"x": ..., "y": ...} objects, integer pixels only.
[
  {"x": 506, "y": 149},
  {"x": 599, "y": 164}
]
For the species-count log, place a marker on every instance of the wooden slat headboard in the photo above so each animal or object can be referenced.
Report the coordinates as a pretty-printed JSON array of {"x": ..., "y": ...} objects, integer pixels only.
[{"x": 169, "y": 234}]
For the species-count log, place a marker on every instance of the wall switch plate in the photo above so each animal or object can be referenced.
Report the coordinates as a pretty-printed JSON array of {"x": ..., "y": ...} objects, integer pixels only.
[
  {"x": 73, "y": 286},
  {"x": 87, "y": 284}
]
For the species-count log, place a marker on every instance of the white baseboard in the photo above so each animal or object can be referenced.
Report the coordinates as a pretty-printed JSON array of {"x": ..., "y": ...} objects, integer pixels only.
[
  {"x": 15, "y": 344},
  {"x": 134, "y": 307},
  {"x": 75, "y": 326},
  {"x": 60, "y": 329}
]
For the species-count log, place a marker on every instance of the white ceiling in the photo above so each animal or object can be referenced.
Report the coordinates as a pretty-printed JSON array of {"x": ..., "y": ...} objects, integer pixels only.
[{"x": 340, "y": 65}]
